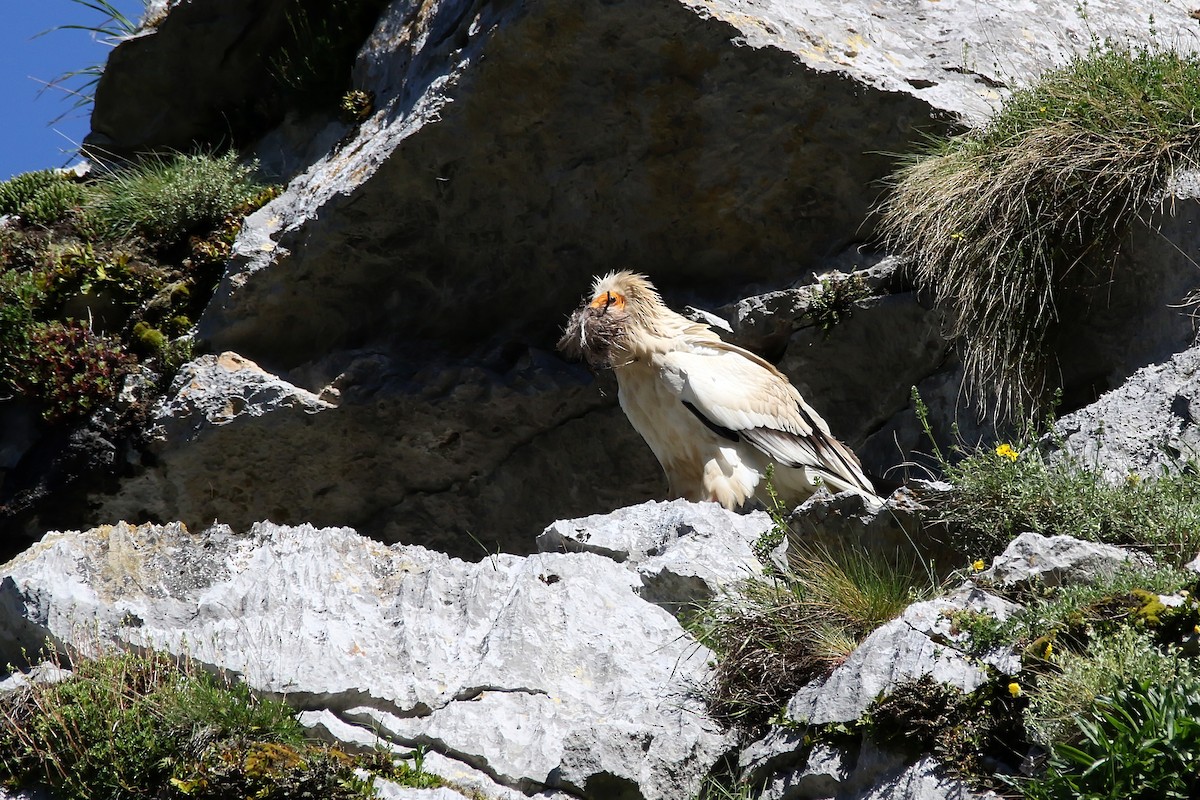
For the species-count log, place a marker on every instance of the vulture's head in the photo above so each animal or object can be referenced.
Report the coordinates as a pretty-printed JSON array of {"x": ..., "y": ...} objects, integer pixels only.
[{"x": 601, "y": 331}]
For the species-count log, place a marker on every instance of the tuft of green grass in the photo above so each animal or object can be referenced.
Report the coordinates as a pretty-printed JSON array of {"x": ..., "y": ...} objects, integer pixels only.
[
  {"x": 127, "y": 725},
  {"x": 1006, "y": 224},
  {"x": 773, "y": 636},
  {"x": 163, "y": 200}
]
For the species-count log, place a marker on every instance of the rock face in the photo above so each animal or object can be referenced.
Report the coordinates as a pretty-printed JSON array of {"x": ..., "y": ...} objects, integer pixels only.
[
  {"x": 416, "y": 269},
  {"x": 522, "y": 674},
  {"x": 455, "y": 475},
  {"x": 684, "y": 553},
  {"x": 1142, "y": 428},
  {"x": 1056, "y": 560}
]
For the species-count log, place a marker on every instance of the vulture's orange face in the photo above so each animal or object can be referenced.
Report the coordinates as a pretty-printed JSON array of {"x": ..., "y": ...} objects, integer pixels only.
[
  {"x": 606, "y": 301},
  {"x": 595, "y": 331}
]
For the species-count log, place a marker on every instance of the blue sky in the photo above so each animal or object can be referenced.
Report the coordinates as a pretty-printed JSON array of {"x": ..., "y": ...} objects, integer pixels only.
[{"x": 27, "y": 140}]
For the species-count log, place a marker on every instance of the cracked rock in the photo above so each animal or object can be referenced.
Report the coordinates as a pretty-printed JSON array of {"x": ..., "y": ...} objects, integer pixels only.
[
  {"x": 1054, "y": 560},
  {"x": 540, "y": 673},
  {"x": 684, "y": 553}
]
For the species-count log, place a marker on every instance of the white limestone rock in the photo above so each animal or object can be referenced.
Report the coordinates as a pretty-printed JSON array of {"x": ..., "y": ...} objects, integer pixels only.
[
  {"x": 683, "y": 552},
  {"x": 1146, "y": 426},
  {"x": 1055, "y": 560},
  {"x": 539, "y": 672}
]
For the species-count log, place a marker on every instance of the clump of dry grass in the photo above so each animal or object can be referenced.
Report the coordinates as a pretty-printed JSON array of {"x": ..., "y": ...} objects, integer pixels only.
[{"x": 1004, "y": 223}]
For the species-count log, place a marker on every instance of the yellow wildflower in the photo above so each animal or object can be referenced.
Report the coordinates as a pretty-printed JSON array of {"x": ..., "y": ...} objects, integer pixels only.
[
  {"x": 978, "y": 566},
  {"x": 1014, "y": 689},
  {"x": 1006, "y": 451},
  {"x": 1196, "y": 629}
]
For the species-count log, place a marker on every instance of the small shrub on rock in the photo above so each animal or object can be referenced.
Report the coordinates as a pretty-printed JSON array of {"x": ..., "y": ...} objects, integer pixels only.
[
  {"x": 1003, "y": 491},
  {"x": 42, "y": 197},
  {"x": 970, "y": 734},
  {"x": 69, "y": 369}
]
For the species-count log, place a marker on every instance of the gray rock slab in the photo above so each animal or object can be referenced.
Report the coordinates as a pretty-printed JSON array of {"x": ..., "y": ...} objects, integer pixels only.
[
  {"x": 855, "y": 772},
  {"x": 956, "y": 54},
  {"x": 921, "y": 780},
  {"x": 1142, "y": 428},
  {"x": 787, "y": 770},
  {"x": 540, "y": 672},
  {"x": 683, "y": 552},
  {"x": 1056, "y": 560}
]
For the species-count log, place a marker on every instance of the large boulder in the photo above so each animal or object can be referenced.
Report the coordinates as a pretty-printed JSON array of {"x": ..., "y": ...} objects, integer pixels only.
[
  {"x": 420, "y": 262},
  {"x": 521, "y": 674}
]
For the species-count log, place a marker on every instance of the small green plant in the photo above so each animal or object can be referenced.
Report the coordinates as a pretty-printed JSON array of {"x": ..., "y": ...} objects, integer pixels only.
[
  {"x": 162, "y": 200},
  {"x": 836, "y": 299},
  {"x": 41, "y": 198},
  {"x": 1078, "y": 678},
  {"x": 1005, "y": 490},
  {"x": 1069, "y": 617},
  {"x": 1141, "y": 740},
  {"x": 69, "y": 369},
  {"x": 765, "y": 545},
  {"x": 714, "y": 789},
  {"x": 1010, "y": 224},
  {"x": 356, "y": 106},
  {"x": 148, "y": 339}
]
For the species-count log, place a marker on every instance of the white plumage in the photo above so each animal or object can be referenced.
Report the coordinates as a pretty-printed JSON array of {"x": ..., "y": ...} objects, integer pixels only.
[{"x": 715, "y": 415}]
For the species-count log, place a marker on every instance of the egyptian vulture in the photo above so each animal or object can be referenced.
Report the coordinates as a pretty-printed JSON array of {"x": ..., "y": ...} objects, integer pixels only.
[{"x": 715, "y": 415}]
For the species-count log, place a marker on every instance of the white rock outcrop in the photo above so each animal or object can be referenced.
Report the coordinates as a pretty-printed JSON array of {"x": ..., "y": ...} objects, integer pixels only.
[{"x": 528, "y": 674}]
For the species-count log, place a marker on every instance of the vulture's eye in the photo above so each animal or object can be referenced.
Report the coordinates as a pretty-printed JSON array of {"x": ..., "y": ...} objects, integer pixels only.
[{"x": 608, "y": 300}]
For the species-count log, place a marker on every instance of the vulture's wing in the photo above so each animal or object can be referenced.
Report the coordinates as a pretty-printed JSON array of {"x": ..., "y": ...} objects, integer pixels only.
[{"x": 739, "y": 395}]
